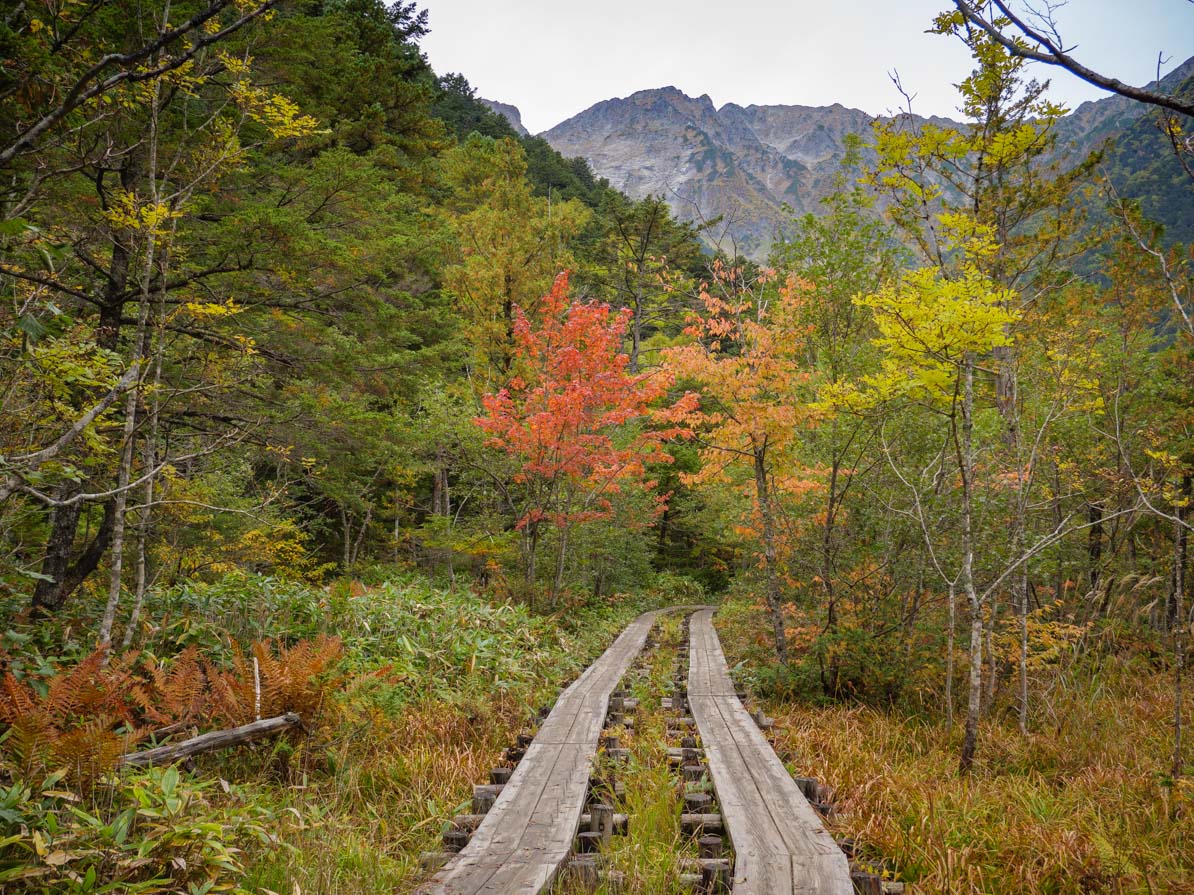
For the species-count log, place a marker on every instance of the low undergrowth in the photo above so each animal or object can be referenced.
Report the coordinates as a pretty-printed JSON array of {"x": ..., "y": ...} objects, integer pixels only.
[
  {"x": 1082, "y": 804},
  {"x": 647, "y": 857},
  {"x": 430, "y": 685}
]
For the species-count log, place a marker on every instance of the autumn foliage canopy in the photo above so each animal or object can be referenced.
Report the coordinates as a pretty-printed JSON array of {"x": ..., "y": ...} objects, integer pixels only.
[{"x": 579, "y": 423}]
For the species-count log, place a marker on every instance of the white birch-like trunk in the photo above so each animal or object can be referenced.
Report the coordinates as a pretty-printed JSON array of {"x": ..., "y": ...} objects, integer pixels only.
[
  {"x": 966, "y": 464},
  {"x": 949, "y": 656},
  {"x": 130, "y": 404}
]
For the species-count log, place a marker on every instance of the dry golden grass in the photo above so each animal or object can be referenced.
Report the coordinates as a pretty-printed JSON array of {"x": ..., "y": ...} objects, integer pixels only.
[
  {"x": 411, "y": 738},
  {"x": 389, "y": 788},
  {"x": 1082, "y": 804}
]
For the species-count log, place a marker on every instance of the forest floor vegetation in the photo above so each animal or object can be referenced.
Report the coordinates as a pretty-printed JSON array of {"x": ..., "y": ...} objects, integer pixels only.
[
  {"x": 1083, "y": 803},
  {"x": 429, "y": 684}
]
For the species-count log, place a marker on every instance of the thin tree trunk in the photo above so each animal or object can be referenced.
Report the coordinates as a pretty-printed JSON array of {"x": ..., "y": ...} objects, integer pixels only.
[
  {"x": 149, "y": 462},
  {"x": 966, "y": 468},
  {"x": 975, "y": 690},
  {"x": 141, "y": 573},
  {"x": 439, "y": 490},
  {"x": 664, "y": 524},
  {"x": 1059, "y": 571},
  {"x": 912, "y": 612},
  {"x": 397, "y": 520},
  {"x": 530, "y": 547},
  {"x": 827, "y": 574},
  {"x": 949, "y": 656},
  {"x": 359, "y": 541},
  {"x": 124, "y": 474},
  {"x": 992, "y": 679},
  {"x": 557, "y": 585},
  {"x": 1022, "y": 595},
  {"x": 143, "y": 525},
  {"x": 346, "y": 534},
  {"x": 1173, "y": 612},
  {"x": 1006, "y": 386},
  {"x": 130, "y": 405},
  {"x": 636, "y": 330},
  {"x": 1094, "y": 543},
  {"x": 774, "y": 600},
  {"x": 115, "y": 573},
  {"x": 1181, "y": 625},
  {"x": 444, "y": 508},
  {"x": 1020, "y": 592}
]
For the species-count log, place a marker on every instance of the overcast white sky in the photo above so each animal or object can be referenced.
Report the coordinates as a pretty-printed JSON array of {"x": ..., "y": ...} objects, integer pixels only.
[{"x": 554, "y": 58}]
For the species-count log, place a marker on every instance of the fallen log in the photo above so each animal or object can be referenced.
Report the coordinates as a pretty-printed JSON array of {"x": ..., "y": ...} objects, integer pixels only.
[{"x": 209, "y": 742}]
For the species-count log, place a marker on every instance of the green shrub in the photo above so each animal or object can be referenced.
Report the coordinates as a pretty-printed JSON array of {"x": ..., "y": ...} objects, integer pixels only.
[{"x": 152, "y": 831}]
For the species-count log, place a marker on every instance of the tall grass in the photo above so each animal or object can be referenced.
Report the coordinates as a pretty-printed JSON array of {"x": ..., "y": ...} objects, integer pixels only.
[
  {"x": 438, "y": 682},
  {"x": 390, "y": 786},
  {"x": 1082, "y": 804},
  {"x": 457, "y": 678}
]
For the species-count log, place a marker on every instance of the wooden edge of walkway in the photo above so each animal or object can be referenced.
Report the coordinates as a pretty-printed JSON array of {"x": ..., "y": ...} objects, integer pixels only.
[
  {"x": 525, "y": 838},
  {"x": 781, "y": 847}
]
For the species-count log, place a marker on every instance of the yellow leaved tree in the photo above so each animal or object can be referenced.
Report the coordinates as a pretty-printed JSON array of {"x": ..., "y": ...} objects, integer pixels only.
[{"x": 936, "y": 328}]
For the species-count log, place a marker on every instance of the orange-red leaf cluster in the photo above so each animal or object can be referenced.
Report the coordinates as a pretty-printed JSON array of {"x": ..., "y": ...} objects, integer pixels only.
[{"x": 578, "y": 421}]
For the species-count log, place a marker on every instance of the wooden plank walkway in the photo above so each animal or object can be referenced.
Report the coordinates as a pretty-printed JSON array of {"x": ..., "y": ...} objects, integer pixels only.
[
  {"x": 528, "y": 834},
  {"x": 780, "y": 845}
]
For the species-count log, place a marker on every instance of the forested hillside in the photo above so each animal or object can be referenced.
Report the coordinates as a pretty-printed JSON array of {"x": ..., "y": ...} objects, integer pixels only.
[{"x": 327, "y": 397}]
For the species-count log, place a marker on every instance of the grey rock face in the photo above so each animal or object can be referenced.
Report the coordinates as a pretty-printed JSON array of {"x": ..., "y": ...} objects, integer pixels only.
[
  {"x": 509, "y": 112},
  {"x": 744, "y": 164},
  {"x": 740, "y": 164}
]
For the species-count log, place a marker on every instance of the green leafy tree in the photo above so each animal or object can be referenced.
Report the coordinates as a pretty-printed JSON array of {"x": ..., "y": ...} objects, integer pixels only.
[
  {"x": 839, "y": 255},
  {"x": 508, "y": 247}
]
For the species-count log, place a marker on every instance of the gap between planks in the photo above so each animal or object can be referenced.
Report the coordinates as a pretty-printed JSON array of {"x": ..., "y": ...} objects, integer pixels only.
[{"x": 527, "y": 835}]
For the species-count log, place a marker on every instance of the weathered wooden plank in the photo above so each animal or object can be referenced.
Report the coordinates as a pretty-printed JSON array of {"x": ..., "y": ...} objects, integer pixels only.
[
  {"x": 208, "y": 742},
  {"x": 780, "y": 845},
  {"x": 525, "y": 838}
]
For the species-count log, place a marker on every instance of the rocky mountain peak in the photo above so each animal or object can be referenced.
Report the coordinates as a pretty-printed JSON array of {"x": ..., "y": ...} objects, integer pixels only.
[
  {"x": 509, "y": 112},
  {"x": 754, "y": 165}
]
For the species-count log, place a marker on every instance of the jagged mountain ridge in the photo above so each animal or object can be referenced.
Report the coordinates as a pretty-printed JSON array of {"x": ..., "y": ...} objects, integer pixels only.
[
  {"x": 745, "y": 163},
  {"x": 740, "y": 163}
]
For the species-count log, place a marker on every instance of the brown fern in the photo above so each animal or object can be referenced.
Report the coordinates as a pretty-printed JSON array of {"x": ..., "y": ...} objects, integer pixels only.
[
  {"x": 93, "y": 713},
  {"x": 175, "y": 693},
  {"x": 82, "y": 724},
  {"x": 294, "y": 679},
  {"x": 230, "y": 696},
  {"x": 90, "y": 750}
]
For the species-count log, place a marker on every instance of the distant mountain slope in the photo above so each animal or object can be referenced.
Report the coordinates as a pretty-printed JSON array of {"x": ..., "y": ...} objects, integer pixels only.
[
  {"x": 1140, "y": 161},
  {"x": 509, "y": 112},
  {"x": 739, "y": 163},
  {"x": 746, "y": 163}
]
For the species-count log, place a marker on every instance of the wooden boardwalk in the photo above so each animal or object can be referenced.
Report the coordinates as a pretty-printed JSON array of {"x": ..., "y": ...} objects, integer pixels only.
[
  {"x": 527, "y": 835},
  {"x": 780, "y": 845}
]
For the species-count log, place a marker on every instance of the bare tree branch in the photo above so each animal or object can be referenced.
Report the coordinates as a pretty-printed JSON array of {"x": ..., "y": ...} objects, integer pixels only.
[
  {"x": 1050, "y": 51},
  {"x": 30, "y": 462}
]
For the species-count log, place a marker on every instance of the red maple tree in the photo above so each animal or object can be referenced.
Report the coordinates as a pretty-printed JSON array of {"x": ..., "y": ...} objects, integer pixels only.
[{"x": 580, "y": 425}]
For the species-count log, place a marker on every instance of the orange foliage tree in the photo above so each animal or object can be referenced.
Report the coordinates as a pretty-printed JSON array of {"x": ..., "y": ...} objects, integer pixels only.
[
  {"x": 580, "y": 425},
  {"x": 749, "y": 355}
]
